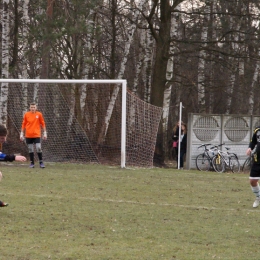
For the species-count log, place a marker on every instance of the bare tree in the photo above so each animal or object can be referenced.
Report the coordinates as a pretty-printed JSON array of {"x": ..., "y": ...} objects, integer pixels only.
[
  {"x": 25, "y": 48},
  {"x": 130, "y": 33},
  {"x": 46, "y": 43},
  {"x": 159, "y": 21},
  {"x": 252, "y": 87},
  {"x": 202, "y": 60},
  {"x": 5, "y": 61}
]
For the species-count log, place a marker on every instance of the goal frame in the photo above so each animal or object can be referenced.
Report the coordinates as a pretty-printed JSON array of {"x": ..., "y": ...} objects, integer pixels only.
[{"x": 121, "y": 82}]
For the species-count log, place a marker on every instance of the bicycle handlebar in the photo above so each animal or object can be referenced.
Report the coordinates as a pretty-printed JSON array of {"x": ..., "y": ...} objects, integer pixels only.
[
  {"x": 205, "y": 145},
  {"x": 215, "y": 147}
]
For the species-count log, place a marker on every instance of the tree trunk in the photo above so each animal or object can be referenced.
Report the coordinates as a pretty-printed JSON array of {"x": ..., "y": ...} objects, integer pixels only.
[
  {"x": 15, "y": 50},
  {"x": 147, "y": 75},
  {"x": 254, "y": 83},
  {"x": 159, "y": 73},
  {"x": 169, "y": 76},
  {"x": 231, "y": 87},
  {"x": 46, "y": 43},
  {"x": 25, "y": 48},
  {"x": 202, "y": 62},
  {"x": 5, "y": 61}
]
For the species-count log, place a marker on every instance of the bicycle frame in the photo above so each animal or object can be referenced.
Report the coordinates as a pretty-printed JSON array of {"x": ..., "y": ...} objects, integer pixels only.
[
  {"x": 224, "y": 160},
  {"x": 225, "y": 156}
]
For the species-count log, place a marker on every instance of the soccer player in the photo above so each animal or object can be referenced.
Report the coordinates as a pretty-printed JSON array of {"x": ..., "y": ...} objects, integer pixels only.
[
  {"x": 32, "y": 123},
  {"x": 255, "y": 170},
  {"x": 7, "y": 157}
]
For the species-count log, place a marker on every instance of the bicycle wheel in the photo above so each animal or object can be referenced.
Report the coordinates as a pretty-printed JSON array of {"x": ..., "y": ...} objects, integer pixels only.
[
  {"x": 234, "y": 164},
  {"x": 247, "y": 165},
  {"x": 202, "y": 162},
  {"x": 218, "y": 163}
]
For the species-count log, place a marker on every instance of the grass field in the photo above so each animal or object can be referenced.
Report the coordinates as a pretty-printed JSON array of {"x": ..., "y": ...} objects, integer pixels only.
[{"x": 69, "y": 211}]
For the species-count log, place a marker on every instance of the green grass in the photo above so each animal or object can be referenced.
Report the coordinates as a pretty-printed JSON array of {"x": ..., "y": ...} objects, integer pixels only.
[{"x": 69, "y": 211}]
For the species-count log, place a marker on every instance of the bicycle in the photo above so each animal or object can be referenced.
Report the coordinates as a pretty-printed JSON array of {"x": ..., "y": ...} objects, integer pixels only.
[
  {"x": 224, "y": 160},
  {"x": 204, "y": 160}
]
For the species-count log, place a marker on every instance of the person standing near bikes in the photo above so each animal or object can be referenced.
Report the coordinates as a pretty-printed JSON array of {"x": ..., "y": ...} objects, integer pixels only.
[
  {"x": 183, "y": 142},
  {"x": 175, "y": 139},
  {"x": 255, "y": 170}
]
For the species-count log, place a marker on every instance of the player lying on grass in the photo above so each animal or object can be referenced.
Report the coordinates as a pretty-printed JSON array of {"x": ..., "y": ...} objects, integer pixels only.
[{"x": 7, "y": 157}]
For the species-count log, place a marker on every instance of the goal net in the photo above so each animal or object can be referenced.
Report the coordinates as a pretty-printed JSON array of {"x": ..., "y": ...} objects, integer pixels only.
[{"x": 85, "y": 120}]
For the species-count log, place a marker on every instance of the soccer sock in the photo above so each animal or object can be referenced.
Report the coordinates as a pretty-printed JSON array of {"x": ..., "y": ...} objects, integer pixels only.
[
  {"x": 256, "y": 190},
  {"x": 31, "y": 158},
  {"x": 40, "y": 157}
]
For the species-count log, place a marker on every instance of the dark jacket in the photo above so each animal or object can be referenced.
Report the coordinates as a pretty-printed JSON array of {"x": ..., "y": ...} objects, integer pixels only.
[
  {"x": 175, "y": 138},
  {"x": 7, "y": 157},
  {"x": 184, "y": 143}
]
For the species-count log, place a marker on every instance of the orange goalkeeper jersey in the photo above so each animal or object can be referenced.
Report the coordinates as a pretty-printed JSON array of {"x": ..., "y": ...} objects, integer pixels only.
[{"x": 32, "y": 123}]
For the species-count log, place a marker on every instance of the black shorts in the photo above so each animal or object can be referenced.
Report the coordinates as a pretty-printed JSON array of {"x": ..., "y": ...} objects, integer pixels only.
[
  {"x": 255, "y": 171},
  {"x": 33, "y": 140}
]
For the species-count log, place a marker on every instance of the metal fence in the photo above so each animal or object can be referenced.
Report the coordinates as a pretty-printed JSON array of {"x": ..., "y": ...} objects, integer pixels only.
[{"x": 233, "y": 130}]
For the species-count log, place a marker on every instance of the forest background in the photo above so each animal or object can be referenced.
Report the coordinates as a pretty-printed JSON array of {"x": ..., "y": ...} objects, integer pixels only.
[{"x": 204, "y": 54}]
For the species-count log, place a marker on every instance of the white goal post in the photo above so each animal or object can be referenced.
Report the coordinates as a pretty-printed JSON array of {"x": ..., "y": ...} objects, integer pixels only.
[{"x": 96, "y": 121}]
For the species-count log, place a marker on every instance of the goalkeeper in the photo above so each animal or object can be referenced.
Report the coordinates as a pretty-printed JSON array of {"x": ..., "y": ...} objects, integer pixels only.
[
  {"x": 32, "y": 123},
  {"x": 7, "y": 157}
]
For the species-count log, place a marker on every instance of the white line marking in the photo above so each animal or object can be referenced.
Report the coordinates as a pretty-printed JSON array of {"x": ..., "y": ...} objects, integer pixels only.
[{"x": 138, "y": 202}]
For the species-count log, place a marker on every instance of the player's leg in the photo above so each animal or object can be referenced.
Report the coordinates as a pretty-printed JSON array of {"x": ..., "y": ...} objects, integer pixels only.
[
  {"x": 254, "y": 178},
  {"x": 29, "y": 142},
  {"x": 39, "y": 151}
]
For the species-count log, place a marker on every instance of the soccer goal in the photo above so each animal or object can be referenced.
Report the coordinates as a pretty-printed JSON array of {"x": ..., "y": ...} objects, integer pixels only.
[{"x": 88, "y": 121}]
